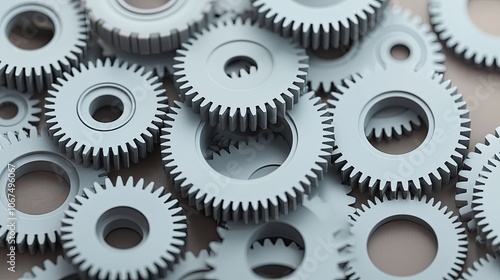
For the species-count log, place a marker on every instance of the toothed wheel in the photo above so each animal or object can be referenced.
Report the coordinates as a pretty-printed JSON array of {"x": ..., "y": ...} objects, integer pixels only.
[
  {"x": 485, "y": 268},
  {"x": 239, "y": 75},
  {"x": 190, "y": 267},
  {"x": 150, "y": 211},
  {"x": 60, "y": 269},
  {"x": 27, "y": 115},
  {"x": 129, "y": 90}
]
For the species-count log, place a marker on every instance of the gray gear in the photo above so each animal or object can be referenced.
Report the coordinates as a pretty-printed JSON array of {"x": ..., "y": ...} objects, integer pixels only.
[
  {"x": 274, "y": 253},
  {"x": 485, "y": 269},
  {"x": 320, "y": 24},
  {"x": 231, "y": 9},
  {"x": 191, "y": 267},
  {"x": 60, "y": 269},
  {"x": 71, "y": 104},
  {"x": 264, "y": 198},
  {"x": 450, "y": 236},
  {"x": 148, "y": 30},
  {"x": 31, "y": 153},
  {"x": 35, "y": 70},
  {"x": 150, "y": 211},
  {"x": 425, "y": 168},
  {"x": 249, "y": 98},
  {"x": 28, "y": 111},
  {"x": 451, "y": 21}
]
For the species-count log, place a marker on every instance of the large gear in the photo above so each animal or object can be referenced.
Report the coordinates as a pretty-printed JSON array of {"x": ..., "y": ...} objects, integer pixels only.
[
  {"x": 450, "y": 236},
  {"x": 151, "y": 212},
  {"x": 27, "y": 115},
  {"x": 60, "y": 269},
  {"x": 451, "y": 21},
  {"x": 423, "y": 169},
  {"x": 190, "y": 267},
  {"x": 73, "y": 101},
  {"x": 320, "y": 24},
  {"x": 31, "y": 153},
  {"x": 35, "y": 70},
  {"x": 306, "y": 128},
  {"x": 148, "y": 30},
  {"x": 245, "y": 98},
  {"x": 485, "y": 269}
]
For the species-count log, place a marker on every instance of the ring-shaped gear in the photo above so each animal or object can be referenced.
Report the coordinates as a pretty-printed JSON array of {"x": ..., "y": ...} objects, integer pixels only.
[
  {"x": 32, "y": 153},
  {"x": 248, "y": 99},
  {"x": 150, "y": 211},
  {"x": 28, "y": 111},
  {"x": 320, "y": 24},
  {"x": 72, "y": 102},
  {"x": 484, "y": 268},
  {"x": 148, "y": 30},
  {"x": 34, "y": 70},
  {"x": 190, "y": 267},
  {"x": 60, "y": 269},
  {"x": 423, "y": 169},
  {"x": 450, "y": 236},
  {"x": 309, "y": 135},
  {"x": 454, "y": 27}
]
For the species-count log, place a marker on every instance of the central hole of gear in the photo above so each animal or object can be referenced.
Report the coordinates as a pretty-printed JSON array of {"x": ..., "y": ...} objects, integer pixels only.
[
  {"x": 400, "y": 52},
  {"x": 400, "y": 145},
  {"x": 402, "y": 248},
  {"x": 331, "y": 54},
  {"x": 147, "y": 4},
  {"x": 318, "y": 3},
  {"x": 484, "y": 14},
  {"x": 106, "y": 108},
  {"x": 123, "y": 238},
  {"x": 8, "y": 110},
  {"x": 30, "y": 30},
  {"x": 122, "y": 227},
  {"x": 240, "y": 66}
]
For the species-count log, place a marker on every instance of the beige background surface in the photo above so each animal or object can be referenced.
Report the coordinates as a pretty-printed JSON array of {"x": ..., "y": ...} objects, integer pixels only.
[{"x": 399, "y": 248}]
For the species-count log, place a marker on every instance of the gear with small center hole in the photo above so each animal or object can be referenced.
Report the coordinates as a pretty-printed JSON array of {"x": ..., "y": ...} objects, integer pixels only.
[
  {"x": 60, "y": 269},
  {"x": 190, "y": 267},
  {"x": 150, "y": 211},
  {"x": 138, "y": 96},
  {"x": 27, "y": 115},
  {"x": 483, "y": 269},
  {"x": 268, "y": 81},
  {"x": 33, "y": 70}
]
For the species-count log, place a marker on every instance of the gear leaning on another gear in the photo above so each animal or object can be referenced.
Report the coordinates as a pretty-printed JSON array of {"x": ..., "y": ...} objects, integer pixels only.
[
  {"x": 33, "y": 70},
  {"x": 60, "y": 269},
  {"x": 148, "y": 30},
  {"x": 320, "y": 24},
  {"x": 27, "y": 115},
  {"x": 485, "y": 269},
  {"x": 32, "y": 153},
  {"x": 423, "y": 169},
  {"x": 450, "y": 236},
  {"x": 190, "y": 267},
  {"x": 248, "y": 98},
  {"x": 451, "y": 21},
  {"x": 139, "y": 96},
  {"x": 151, "y": 212}
]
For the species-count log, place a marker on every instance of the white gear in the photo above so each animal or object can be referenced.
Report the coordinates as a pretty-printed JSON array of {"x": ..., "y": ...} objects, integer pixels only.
[
  {"x": 60, "y": 269},
  {"x": 487, "y": 268}
]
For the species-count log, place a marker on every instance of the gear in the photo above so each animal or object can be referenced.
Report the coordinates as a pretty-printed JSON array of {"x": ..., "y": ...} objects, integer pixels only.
[
  {"x": 136, "y": 93},
  {"x": 427, "y": 167},
  {"x": 101, "y": 210},
  {"x": 274, "y": 253},
  {"x": 60, "y": 269},
  {"x": 253, "y": 94},
  {"x": 320, "y": 24},
  {"x": 34, "y": 70},
  {"x": 485, "y": 268},
  {"x": 148, "y": 30},
  {"x": 264, "y": 198},
  {"x": 27, "y": 115},
  {"x": 191, "y": 267},
  {"x": 450, "y": 236},
  {"x": 31, "y": 153},
  {"x": 454, "y": 27},
  {"x": 231, "y": 9},
  {"x": 392, "y": 122}
]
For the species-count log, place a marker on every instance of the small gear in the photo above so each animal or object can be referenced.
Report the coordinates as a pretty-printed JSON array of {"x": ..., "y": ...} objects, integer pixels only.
[
  {"x": 423, "y": 169},
  {"x": 454, "y": 27},
  {"x": 31, "y": 153},
  {"x": 60, "y": 269},
  {"x": 148, "y": 29},
  {"x": 320, "y": 24},
  {"x": 274, "y": 253},
  {"x": 230, "y": 9},
  {"x": 191, "y": 267},
  {"x": 27, "y": 115},
  {"x": 267, "y": 84},
  {"x": 101, "y": 210},
  {"x": 485, "y": 269},
  {"x": 450, "y": 236},
  {"x": 306, "y": 128},
  {"x": 137, "y": 94},
  {"x": 392, "y": 122}
]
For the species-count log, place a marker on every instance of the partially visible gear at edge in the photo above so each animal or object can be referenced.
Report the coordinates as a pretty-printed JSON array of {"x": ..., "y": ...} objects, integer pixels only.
[{"x": 27, "y": 115}]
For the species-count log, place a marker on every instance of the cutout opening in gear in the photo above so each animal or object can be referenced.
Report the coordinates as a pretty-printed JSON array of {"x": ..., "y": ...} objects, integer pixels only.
[
  {"x": 8, "y": 110},
  {"x": 237, "y": 65},
  {"x": 332, "y": 54},
  {"x": 400, "y": 52},
  {"x": 146, "y": 5},
  {"x": 30, "y": 30},
  {"x": 484, "y": 14},
  {"x": 125, "y": 220},
  {"x": 106, "y": 108}
]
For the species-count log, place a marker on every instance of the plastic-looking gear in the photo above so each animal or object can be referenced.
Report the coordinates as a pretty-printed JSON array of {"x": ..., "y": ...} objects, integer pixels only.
[
  {"x": 60, "y": 269},
  {"x": 191, "y": 267},
  {"x": 309, "y": 134},
  {"x": 320, "y": 24},
  {"x": 252, "y": 97},
  {"x": 73, "y": 101},
  {"x": 152, "y": 212},
  {"x": 31, "y": 153},
  {"x": 230, "y": 9},
  {"x": 35, "y": 70},
  {"x": 485, "y": 268},
  {"x": 450, "y": 236},
  {"x": 148, "y": 30},
  {"x": 27, "y": 115},
  {"x": 425, "y": 168},
  {"x": 451, "y": 21},
  {"x": 274, "y": 253}
]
